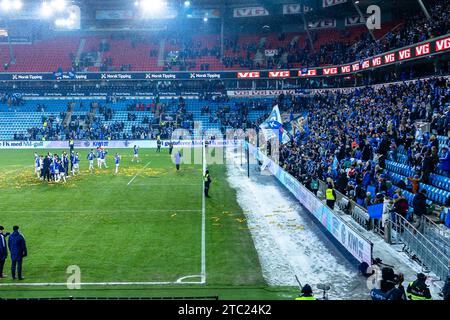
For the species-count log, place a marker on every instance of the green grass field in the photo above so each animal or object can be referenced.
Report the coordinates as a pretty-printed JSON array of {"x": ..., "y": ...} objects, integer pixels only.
[{"x": 143, "y": 225}]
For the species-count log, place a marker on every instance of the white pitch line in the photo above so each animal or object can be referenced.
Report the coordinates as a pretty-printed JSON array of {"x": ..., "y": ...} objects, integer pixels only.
[
  {"x": 132, "y": 179},
  {"x": 93, "y": 211},
  {"x": 203, "y": 263},
  {"x": 46, "y": 284}
]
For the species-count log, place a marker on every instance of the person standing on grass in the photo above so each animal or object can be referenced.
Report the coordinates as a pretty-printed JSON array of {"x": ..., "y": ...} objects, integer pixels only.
[
  {"x": 158, "y": 145},
  {"x": 37, "y": 165},
  {"x": 62, "y": 173},
  {"x": 71, "y": 145},
  {"x": 207, "y": 179},
  {"x": 3, "y": 250},
  {"x": 117, "y": 160},
  {"x": 99, "y": 157},
  {"x": 170, "y": 147},
  {"x": 46, "y": 167},
  {"x": 65, "y": 162},
  {"x": 135, "y": 154},
  {"x": 91, "y": 157},
  {"x": 18, "y": 249},
  {"x": 177, "y": 160},
  {"x": 76, "y": 164},
  {"x": 103, "y": 154},
  {"x": 72, "y": 158}
]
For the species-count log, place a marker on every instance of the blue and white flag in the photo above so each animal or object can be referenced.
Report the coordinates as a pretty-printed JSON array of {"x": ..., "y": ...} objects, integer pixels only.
[{"x": 273, "y": 128}]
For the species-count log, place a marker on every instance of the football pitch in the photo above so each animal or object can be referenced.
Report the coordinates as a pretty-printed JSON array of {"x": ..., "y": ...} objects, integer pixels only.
[{"x": 145, "y": 232}]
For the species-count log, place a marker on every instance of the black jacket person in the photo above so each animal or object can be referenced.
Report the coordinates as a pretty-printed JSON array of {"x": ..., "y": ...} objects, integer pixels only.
[
  {"x": 207, "y": 179},
  {"x": 418, "y": 290},
  {"x": 306, "y": 293},
  {"x": 3, "y": 250}
]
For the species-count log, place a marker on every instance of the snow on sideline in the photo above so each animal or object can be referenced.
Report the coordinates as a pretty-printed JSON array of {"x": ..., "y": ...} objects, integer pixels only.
[
  {"x": 288, "y": 243},
  {"x": 285, "y": 240}
]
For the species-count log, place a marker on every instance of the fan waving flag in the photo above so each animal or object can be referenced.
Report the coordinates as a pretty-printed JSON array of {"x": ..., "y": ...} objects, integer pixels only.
[{"x": 273, "y": 128}]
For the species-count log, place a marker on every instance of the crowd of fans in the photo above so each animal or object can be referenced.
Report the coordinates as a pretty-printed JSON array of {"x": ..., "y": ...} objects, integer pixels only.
[{"x": 351, "y": 134}]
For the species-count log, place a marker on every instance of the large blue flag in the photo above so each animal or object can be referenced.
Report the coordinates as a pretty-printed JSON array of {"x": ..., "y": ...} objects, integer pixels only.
[{"x": 273, "y": 128}]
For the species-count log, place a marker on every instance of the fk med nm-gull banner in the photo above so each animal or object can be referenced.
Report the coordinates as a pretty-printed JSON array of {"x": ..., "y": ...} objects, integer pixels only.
[{"x": 358, "y": 246}]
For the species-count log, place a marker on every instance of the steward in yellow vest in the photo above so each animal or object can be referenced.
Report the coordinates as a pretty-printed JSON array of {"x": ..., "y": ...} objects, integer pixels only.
[
  {"x": 330, "y": 195},
  {"x": 418, "y": 290},
  {"x": 306, "y": 293}
]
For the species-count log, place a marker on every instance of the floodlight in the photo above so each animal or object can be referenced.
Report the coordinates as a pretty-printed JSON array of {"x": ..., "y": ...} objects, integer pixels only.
[
  {"x": 153, "y": 6},
  {"x": 46, "y": 9},
  {"x": 187, "y": 3},
  {"x": 6, "y": 5},
  {"x": 58, "y": 5},
  {"x": 17, "y": 4},
  {"x": 205, "y": 19}
]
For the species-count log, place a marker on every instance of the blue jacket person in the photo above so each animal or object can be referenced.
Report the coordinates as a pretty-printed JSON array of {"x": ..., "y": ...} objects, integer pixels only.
[
  {"x": 18, "y": 250},
  {"x": 3, "y": 250}
]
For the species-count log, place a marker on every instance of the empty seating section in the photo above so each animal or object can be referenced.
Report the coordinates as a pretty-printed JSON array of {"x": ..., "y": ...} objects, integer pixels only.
[
  {"x": 142, "y": 54},
  {"x": 42, "y": 56},
  {"x": 123, "y": 52}
]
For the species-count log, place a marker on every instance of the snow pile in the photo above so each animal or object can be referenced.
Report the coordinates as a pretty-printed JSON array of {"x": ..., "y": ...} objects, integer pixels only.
[{"x": 288, "y": 242}]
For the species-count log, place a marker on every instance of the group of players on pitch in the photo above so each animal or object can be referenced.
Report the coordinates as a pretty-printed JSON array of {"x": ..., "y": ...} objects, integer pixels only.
[{"x": 56, "y": 168}]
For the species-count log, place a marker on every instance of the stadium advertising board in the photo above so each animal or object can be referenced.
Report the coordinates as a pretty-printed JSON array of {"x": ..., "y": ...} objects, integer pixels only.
[
  {"x": 262, "y": 93},
  {"x": 322, "y": 24},
  {"x": 354, "y": 21},
  {"x": 329, "y": 3},
  {"x": 421, "y": 50},
  {"x": 250, "y": 12},
  {"x": 355, "y": 243},
  {"x": 295, "y": 8},
  {"x": 119, "y": 144}
]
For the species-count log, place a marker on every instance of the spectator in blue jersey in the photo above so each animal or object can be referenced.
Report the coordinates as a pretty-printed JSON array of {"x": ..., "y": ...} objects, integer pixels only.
[
  {"x": 178, "y": 160},
  {"x": 18, "y": 250},
  {"x": 444, "y": 162}
]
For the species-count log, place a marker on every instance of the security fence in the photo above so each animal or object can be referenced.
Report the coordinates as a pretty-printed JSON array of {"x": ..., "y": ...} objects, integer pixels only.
[
  {"x": 415, "y": 243},
  {"x": 431, "y": 246}
]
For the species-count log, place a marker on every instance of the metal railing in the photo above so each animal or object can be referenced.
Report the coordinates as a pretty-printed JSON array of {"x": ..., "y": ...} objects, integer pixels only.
[
  {"x": 431, "y": 246},
  {"x": 439, "y": 236},
  {"x": 417, "y": 245}
]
